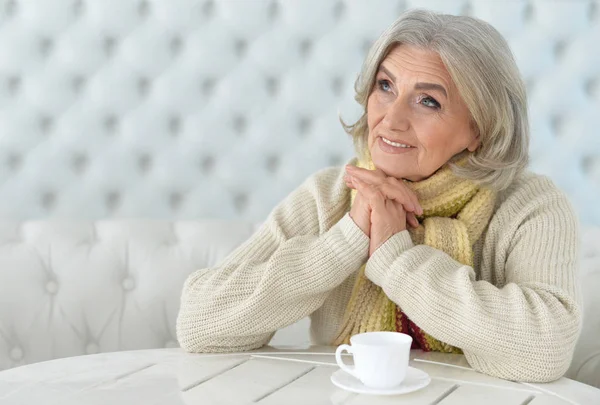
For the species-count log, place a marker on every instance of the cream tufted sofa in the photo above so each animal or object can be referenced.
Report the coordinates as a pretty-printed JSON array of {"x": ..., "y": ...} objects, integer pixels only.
[
  {"x": 71, "y": 288},
  {"x": 141, "y": 140}
]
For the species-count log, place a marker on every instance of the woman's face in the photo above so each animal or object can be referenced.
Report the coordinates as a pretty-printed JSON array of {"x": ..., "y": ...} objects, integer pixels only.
[{"x": 415, "y": 103}]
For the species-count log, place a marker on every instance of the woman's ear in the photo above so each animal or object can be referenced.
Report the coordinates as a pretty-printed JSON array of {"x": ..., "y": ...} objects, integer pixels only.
[{"x": 476, "y": 141}]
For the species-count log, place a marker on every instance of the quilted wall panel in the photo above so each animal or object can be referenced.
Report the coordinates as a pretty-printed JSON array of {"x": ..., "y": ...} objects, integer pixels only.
[{"x": 184, "y": 109}]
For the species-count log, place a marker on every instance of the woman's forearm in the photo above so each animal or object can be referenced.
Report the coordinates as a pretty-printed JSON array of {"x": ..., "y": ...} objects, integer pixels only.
[
  {"x": 524, "y": 330},
  {"x": 240, "y": 304}
]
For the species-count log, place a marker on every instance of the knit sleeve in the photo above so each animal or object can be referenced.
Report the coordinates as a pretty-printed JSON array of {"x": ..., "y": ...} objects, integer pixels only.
[
  {"x": 280, "y": 275},
  {"x": 526, "y": 328}
]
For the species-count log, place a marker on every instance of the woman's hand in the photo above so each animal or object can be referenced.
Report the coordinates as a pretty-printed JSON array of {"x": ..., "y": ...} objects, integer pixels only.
[
  {"x": 383, "y": 205},
  {"x": 360, "y": 211}
]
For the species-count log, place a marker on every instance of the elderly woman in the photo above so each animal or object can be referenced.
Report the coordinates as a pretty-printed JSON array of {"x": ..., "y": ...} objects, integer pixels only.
[{"x": 434, "y": 229}]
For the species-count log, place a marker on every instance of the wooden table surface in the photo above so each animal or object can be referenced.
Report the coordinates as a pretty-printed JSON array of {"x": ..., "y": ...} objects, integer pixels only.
[{"x": 271, "y": 375}]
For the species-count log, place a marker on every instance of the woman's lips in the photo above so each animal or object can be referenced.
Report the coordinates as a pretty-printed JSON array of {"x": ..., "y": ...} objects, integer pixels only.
[{"x": 392, "y": 149}]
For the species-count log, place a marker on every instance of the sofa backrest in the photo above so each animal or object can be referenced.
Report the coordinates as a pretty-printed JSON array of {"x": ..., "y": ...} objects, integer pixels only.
[
  {"x": 70, "y": 288},
  {"x": 186, "y": 109}
]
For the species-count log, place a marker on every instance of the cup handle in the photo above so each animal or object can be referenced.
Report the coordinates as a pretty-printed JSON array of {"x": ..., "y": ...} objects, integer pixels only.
[{"x": 340, "y": 361}]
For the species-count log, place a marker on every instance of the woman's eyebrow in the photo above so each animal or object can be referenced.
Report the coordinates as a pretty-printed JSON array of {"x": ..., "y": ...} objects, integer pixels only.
[
  {"x": 431, "y": 86},
  {"x": 387, "y": 72},
  {"x": 418, "y": 86}
]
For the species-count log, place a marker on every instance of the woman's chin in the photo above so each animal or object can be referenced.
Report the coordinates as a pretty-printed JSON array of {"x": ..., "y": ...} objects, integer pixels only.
[{"x": 391, "y": 167}]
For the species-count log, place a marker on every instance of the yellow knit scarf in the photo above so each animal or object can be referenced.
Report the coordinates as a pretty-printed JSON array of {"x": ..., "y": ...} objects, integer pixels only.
[{"x": 456, "y": 212}]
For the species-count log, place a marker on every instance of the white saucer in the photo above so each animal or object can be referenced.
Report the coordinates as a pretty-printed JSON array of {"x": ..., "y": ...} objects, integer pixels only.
[{"x": 415, "y": 379}]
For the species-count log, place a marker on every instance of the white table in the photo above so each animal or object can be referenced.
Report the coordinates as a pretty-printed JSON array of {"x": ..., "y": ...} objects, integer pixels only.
[{"x": 270, "y": 375}]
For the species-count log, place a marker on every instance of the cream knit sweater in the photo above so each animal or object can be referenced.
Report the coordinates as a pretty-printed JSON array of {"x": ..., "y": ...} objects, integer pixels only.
[{"x": 516, "y": 315}]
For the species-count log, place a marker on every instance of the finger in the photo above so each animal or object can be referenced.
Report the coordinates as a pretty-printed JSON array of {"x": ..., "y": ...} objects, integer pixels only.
[
  {"x": 415, "y": 202},
  {"x": 415, "y": 199},
  {"x": 360, "y": 185},
  {"x": 412, "y": 219},
  {"x": 348, "y": 182},
  {"x": 410, "y": 195},
  {"x": 371, "y": 193},
  {"x": 378, "y": 177},
  {"x": 407, "y": 197},
  {"x": 390, "y": 186},
  {"x": 378, "y": 203},
  {"x": 371, "y": 176},
  {"x": 398, "y": 193}
]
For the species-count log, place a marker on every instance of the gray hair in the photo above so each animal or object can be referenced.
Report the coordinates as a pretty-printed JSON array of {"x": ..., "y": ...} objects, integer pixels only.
[{"x": 486, "y": 75}]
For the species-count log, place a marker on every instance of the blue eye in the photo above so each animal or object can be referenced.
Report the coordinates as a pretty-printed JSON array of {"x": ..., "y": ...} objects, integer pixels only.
[
  {"x": 434, "y": 104},
  {"x": 427, "y": 101},
  {"x": 381, "y": 83}
]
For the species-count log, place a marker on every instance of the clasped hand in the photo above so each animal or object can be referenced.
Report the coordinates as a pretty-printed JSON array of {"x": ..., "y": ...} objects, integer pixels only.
[{"x": 383, "y": 205}]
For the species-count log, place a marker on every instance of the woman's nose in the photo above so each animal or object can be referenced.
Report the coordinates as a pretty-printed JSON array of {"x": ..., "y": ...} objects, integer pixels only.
[{"x": 396, "y": 116}]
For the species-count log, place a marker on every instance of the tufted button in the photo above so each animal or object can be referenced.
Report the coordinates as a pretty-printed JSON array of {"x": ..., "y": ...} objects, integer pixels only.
[
  {"x": 273, "y": 11},
  {"x": 304, "y": 124},
  {"x": 144, "y": 162},
  {"x": 207, "y": 86},
  {"x": 207, "y": 164},
  {"x": 559, "y": 49},
  {"x": 79, "y": 162},
  {"x": 16, "y": 353},
  {"x": 48, "y": 200},
  {"x": 170, "y": 344},
  {"x": 592, "y": 87},
  {"x": 143, "y": 85},
  {"x": 77, "y": 82},
  {"x": 175, "y": 45},
  {"x": 52, "y": 287},
  {"x": 112, "y": 200},
  {"x": 240, "y": 47},
  {"x": 240, "y": 200},
  {"x": 174, "y": 125},
  {"x": 110, "y": 44},
  {"x": 144, "y": 8},
  {"x": 110, "y": 123},
  {"x": 208, "y": 8},
  {"x": 78, "y": 7},
  {"x": 593, "y": 12},
  {"x": 528, "y": 12},
  {"x": 14, "y": 83},
  {"x": 46, "y": 46},
  {"x": 366, "y": 45},
  {"x": 92, "y": 348},
  {"x": 272, "y": 163},
  {"x": 338, "y": 10},
  {"x": 557, "y": 122},
  {"x": 272, "y": 85},
  {"x": 128, "y": 284},
  {"x": 10, "y": 7},
  {"x": 530, "y": 84},
  {"x": 14, "y": 161},
  {"x": 239, "y": 123},
  {"x": 46, "y": 124},
  {"x": 175, "y": 200},
  {"x": 590, "y": 164},
  {"x": 305, "y": 47},
  {"x": 335, "y": 160},
  {"x": 467, "y": 9},
  {"x": 337, "y": 84}
]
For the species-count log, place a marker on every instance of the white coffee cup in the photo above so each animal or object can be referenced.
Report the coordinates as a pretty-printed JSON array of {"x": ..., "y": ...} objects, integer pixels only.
[{"x": 380, "y": 358}]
